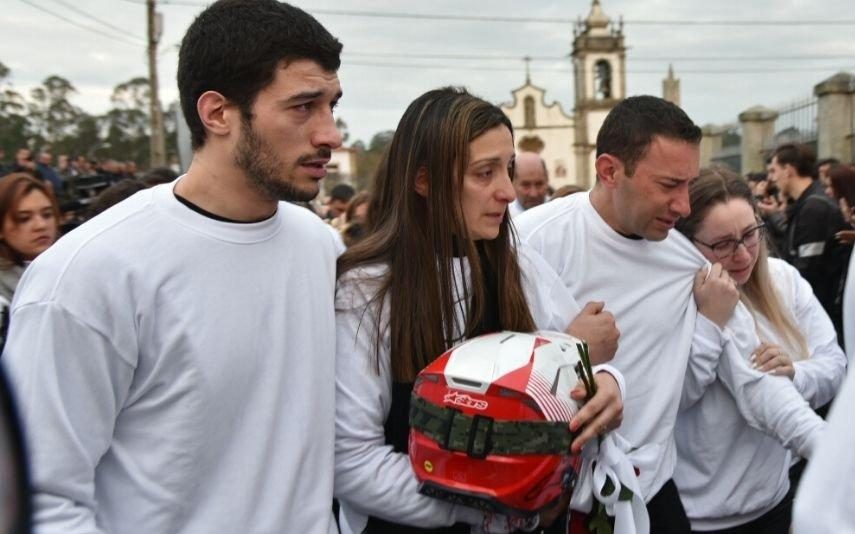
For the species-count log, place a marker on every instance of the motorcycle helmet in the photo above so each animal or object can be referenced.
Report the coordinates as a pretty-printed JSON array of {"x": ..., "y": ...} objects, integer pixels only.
[{"x": 489, "y": 422}]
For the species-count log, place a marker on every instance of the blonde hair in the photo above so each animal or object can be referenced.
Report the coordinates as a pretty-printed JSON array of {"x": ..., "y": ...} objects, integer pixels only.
[{"x": 717, "y": 185}]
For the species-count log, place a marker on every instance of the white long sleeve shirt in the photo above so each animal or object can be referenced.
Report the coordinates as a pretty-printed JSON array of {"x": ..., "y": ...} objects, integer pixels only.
[
  {"x": 648, "y": 287},
  {"x": 372, "y": 479},
  {"x": 824, "y": 502},
  {"x": 849, "y": 312},
  {"x": 174, "y": 373},
  {"x": 820, "y": 373},
  {"x": 728, "y": 471}
]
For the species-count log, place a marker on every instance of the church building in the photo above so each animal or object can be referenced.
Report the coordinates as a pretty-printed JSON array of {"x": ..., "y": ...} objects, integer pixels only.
[{"x": 568, "y": 142}]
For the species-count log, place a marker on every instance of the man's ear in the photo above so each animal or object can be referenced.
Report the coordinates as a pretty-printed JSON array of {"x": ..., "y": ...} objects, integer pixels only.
[
  {"x": 422, "y": 182},
  {"x": 607, "y": 167},
  {"x": 215, "y": 112}
]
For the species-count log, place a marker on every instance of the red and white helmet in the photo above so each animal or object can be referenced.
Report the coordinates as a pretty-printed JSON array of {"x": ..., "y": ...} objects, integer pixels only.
[{"x": 489, "y": 422}]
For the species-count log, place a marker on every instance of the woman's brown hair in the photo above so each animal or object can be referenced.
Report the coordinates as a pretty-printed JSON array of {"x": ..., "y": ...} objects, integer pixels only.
[
  {"x": 718, "y": 185},
  {"x": 358, "y": 200},
  {"x": 842, "y": 179},
  {"x": 13, "y": 188},
  {"x": 420, "y": 237}
]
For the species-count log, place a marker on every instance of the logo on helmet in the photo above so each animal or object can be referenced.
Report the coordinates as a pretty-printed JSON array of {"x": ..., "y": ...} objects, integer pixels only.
[{"x": 462, "y": 399}]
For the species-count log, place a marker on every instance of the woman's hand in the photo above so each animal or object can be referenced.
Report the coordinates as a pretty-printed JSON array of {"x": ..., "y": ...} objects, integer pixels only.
[
  {"x": 770, "y": 358},
  {"x": 603, "y": 412},
  {"x": 847, "y": 237},
  {"x": 715, "y": 294}
]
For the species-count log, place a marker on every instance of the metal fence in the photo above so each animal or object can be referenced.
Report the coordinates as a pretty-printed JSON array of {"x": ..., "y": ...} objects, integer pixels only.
[{"x": 796, "y": 122}]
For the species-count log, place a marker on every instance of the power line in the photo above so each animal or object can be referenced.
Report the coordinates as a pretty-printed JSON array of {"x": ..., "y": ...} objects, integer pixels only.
[
  {"x": 75, "y": 23},
  {"x": 435, "y": 66},
  {"x": 550, "y": 20},
  {"x": 489, "y": 57},
  {"x": 742, "y": 58},
  {"x": 498, "y": 57},
  {"x": 122, "y": 31},
  {"x": 565, "y": 21}
]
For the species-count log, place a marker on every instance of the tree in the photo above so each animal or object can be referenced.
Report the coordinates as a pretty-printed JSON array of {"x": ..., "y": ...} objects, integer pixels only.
[
  {"x": 13, "y": 115},
  {"x": 127, "y": 125},
  {"x": 52, "y": 116},
  {"x": 368, "y": 159},
  {"x": 342, "y": 129}
]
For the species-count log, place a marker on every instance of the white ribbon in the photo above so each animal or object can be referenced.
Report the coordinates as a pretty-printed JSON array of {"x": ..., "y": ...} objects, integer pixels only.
[{"x": 611, "y": 460}]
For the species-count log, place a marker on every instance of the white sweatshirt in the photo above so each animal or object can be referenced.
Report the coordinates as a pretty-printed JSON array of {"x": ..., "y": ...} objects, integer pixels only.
[
  {"x": 372, "y": 479},
  {"x": 174, "y": 373},
  {"x": 647, "y": 285},
  {"x": 728, "y": 472},
  {"x": 824, "y": 502},
  {"x": 849, "y": 312}
]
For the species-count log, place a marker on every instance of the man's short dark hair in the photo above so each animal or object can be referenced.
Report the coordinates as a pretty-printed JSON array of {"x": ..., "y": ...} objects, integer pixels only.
[
  {"x": 801, "y": 157},
  {"x": 342, "y": 192},
  {"x": 234, "y": 47},
  {"x": 630, "y": 127}
]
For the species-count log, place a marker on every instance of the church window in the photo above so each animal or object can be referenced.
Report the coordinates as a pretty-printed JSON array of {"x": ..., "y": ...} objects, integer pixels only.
[
  {"x": 528, "y": 105},
  {"x": 602, "y": 80}
]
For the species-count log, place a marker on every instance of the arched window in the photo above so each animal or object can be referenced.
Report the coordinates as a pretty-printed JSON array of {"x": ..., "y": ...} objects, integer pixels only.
[
  {"x": 528, "y": 105},
  {"x": 602, "y": 80}
]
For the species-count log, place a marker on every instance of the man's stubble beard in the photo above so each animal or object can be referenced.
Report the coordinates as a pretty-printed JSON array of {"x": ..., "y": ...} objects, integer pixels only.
[{"x": 263, "y": 169}]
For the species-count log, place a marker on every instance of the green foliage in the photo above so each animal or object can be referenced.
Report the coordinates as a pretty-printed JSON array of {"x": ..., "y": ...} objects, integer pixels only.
[
  {"x": 46, "y": 117},
  {"x": 368, "y": 159},
  {"x": 13, "y": 115}
]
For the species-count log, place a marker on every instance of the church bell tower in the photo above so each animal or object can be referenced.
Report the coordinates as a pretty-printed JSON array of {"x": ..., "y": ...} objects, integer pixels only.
[{"x": 599, "y": 71}]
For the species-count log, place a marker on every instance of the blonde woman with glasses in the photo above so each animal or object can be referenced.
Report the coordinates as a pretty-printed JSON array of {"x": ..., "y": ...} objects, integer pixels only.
[{"x": 734, "y": 479}]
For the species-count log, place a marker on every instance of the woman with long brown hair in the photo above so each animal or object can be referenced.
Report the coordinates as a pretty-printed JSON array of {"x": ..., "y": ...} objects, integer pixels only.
[
  {"x": 438, "y": 265},
  {"x": 29, "y": 225},
  {"x": 732, "y": 478}
]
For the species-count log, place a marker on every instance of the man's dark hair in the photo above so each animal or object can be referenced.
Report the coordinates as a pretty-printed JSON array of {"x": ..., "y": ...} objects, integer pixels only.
[
  {"x": 755, "y": 176},
  {"x": 831, "y": 162},
  {"x": 234, "y": 47},
  {"x": 114, "y": 194},
  {"x": 630, "y": 127},
  {"x": 342, "y": 192},
  {"x": 801, "y": 157},
  {"x": 159, "y": 175}
]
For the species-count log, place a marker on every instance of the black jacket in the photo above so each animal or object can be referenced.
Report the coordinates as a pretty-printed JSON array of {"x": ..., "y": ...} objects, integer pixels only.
[{"x": 813, "y": 249}]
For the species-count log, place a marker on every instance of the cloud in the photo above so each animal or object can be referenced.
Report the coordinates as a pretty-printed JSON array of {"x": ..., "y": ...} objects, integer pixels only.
[{"x": 36, "y": 45}]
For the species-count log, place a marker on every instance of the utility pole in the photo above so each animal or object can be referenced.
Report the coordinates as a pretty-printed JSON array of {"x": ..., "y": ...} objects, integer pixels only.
[{"x": 157, "y": 146}]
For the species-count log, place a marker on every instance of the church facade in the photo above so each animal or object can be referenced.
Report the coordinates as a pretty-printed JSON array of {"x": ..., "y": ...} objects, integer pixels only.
[{"x": 567, "y": 143}]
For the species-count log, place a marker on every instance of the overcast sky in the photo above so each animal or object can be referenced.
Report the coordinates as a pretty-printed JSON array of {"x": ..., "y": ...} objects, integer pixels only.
[{"x": 36, "y": 44}]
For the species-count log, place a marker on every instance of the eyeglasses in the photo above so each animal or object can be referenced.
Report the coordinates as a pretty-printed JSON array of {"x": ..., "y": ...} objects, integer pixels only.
[{"x": 727, "y": 247}]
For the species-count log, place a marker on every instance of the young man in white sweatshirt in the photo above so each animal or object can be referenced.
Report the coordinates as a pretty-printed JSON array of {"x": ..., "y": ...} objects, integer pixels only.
[
  {"x": 174, "y": 357},
  {"x": 616, "y": 246}
]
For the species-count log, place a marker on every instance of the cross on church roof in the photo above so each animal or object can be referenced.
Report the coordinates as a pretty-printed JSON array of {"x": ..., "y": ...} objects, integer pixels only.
[{"x": 527, "y": 60}]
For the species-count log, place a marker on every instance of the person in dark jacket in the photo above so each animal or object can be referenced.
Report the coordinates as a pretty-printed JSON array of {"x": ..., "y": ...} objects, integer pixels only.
[{"x": 813, "y": 220}]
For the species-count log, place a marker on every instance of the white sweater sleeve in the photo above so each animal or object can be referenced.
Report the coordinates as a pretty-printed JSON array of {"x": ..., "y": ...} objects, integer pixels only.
[
  {"x": 701, "y": 371},
  {"x": 824, "y": 500},
  {"x": 819, "y": 377},
  {"x": 71, "y": 383},
  {"x": 369, "y": 475},
  {"x": 768, "y": 403}
]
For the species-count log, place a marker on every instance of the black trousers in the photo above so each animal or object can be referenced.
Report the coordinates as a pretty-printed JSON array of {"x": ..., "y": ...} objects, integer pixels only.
[
  {"x": 775, "y": 521},
  {"x": 667, "y": 515}
]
